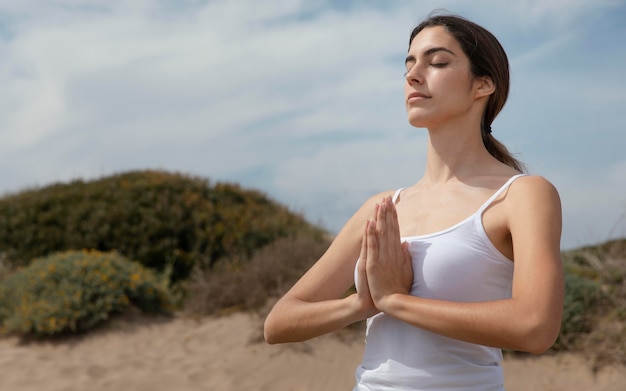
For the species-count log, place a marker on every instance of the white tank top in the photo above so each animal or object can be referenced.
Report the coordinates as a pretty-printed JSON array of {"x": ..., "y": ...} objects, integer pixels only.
[{"x": 457, "y": 264}]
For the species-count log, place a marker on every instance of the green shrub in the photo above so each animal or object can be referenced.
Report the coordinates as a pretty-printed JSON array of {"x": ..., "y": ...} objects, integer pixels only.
[
  {"x": 76, "y": 290},
  {"x": 582, "y": 297},
  {"x": 594, "y": 311},
  {"x": 160, "y": 219}
]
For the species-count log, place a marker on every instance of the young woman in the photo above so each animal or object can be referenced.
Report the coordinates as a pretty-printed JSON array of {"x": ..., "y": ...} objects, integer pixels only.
[{"x": 457, "y": 266}]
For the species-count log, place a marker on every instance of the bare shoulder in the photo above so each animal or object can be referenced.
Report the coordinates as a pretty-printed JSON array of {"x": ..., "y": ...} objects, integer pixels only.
[
  {"x": 531, "y": 188},
  {"x": 354, "y": 226},
  {"x": 534, "y": 207},
  {"x": 350, "y": 235}
]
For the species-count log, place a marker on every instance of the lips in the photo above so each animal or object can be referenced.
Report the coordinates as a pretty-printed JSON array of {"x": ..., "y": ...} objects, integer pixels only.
[{"x": 416, "y": 96}]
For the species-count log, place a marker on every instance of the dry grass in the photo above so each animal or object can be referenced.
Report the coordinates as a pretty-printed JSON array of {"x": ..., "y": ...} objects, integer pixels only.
[
  {"x": 605, "y": 265},
  {"x": 595, "y": 296},
  {"x": 249, "y": 285}
]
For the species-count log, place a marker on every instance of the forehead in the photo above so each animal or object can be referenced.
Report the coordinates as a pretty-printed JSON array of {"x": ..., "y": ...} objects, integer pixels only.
[{"x": 431, "y": 37}]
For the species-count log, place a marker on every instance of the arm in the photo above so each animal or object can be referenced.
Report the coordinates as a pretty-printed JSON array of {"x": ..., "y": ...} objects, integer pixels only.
[
  {"x": 316, "y": 305},
  {"x": 530, "y": 320}
]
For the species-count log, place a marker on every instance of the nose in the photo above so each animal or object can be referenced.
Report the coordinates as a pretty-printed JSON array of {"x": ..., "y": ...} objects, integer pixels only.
[{"x": 413, "y": 75}]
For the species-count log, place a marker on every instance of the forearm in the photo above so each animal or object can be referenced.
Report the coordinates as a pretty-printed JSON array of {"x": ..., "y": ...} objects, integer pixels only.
[
  {"x": 294, "y": 320},
  {"x": 507, "y": 324}
]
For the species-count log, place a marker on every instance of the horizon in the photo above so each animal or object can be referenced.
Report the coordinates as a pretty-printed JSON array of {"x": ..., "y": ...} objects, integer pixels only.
[
  {"x": 302, "y": 100},
  {"x": 212, "y": 182}
]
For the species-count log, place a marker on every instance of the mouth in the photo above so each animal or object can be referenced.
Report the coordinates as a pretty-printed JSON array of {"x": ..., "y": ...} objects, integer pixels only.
[{"x": 415, "y": 96}]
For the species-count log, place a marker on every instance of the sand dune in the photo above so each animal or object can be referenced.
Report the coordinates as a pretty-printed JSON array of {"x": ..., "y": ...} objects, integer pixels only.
[{"x": 227, "y": 354}]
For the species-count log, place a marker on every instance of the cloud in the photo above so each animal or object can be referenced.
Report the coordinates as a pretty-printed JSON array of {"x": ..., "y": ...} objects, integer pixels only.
[
  {"x": 594, "y": 205},
  {"x": 302, "y": 99}
]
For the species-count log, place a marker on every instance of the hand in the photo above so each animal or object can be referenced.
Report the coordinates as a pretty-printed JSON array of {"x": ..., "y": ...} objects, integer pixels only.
[
  {"x": 364, "y": 298},
  {"x": 388, "y": 268}
]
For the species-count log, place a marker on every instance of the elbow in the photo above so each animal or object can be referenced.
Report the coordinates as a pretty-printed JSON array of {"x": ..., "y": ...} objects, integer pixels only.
[
  {"x": 269, "y": 331},
  {"x": 538, "y": 344},
  {"x": 279, "y": 325},
  {"x": 271, "y": 338},
  {"x": 274, "y": 331},
  {"x": 539, "y": 336}
]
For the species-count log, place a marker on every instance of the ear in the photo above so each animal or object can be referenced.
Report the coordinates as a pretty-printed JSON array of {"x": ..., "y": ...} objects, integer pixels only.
[{"x": 484, "y": 86}]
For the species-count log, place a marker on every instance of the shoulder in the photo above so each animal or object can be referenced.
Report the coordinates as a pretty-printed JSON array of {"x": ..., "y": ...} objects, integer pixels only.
[
  {"x": 346, "y": 246},
  {"x": 532, "y": 187},
  {"x": 533, "y": 200},
  {"x": 367, "y": 208},
  {"x": 354, "y": 226}
]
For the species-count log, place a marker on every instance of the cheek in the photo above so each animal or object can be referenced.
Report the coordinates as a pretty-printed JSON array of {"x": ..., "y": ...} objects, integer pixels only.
[{"x": 455, "y": 87}]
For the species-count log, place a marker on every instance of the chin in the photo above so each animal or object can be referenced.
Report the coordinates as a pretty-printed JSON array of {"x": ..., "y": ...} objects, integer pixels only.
[
  {"x": 417, "y": 118},
  {"x": 417, "y": 122}
]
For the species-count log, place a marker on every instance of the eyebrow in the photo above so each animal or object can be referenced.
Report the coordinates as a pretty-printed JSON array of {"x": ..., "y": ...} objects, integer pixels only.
[{"x": 429, "y": 52}]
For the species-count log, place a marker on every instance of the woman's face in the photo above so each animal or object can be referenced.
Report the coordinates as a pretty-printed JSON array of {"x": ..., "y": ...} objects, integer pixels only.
[{"x": 440, "y": 87}]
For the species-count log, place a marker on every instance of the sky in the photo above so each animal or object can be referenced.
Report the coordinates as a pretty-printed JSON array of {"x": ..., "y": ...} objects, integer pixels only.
[{"x": 302, "y": 99}]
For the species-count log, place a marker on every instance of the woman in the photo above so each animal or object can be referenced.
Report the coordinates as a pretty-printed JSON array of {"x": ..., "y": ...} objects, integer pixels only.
[{"x": 456, "y": 267}]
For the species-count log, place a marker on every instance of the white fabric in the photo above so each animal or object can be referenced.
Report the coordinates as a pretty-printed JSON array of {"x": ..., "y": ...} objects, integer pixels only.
[{"x": 457, "y": 264}]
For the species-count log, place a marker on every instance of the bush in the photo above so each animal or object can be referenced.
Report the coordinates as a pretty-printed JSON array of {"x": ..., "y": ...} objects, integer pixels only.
[
  {"x": 158, "y": 218},
  {"x": 594, "y": 311},
  {"x": 582, "y": 296},
  {"x": 76, "y": 290},
  {"x": 270, "y": 273}
]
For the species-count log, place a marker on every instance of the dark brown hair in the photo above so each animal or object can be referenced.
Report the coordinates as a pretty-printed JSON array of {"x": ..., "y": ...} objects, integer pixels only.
[{"x": 487, "y": 58}]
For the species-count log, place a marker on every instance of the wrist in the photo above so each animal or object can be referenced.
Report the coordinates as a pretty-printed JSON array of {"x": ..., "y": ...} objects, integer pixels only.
[
  {"x": 360, "y": 310},
  {"x": 390, "y": 304}
]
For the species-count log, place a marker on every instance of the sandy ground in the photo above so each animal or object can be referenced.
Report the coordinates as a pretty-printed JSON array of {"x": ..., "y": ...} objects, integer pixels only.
[{"x": 227, "y": 354}]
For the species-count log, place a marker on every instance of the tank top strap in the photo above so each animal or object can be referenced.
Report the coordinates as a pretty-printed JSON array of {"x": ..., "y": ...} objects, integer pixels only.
[
  {"x": 498, "y": 192},
  {"x": 396, "y": 195}
]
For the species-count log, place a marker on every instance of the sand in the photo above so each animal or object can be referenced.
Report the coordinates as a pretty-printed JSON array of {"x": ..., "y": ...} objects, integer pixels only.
[{"x": 228, "y": 354}]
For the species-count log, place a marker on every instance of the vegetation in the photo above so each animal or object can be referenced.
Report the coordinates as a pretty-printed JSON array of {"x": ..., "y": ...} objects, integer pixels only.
[
  {"x": 594, "y": 316},
  {"x": 76, "y": 290},
  {"x": 225, "y": 248},
  {"x": 157, "y": 218},
  {"x": 269, "y": 274},
  {"x": 170, "y": 224}
]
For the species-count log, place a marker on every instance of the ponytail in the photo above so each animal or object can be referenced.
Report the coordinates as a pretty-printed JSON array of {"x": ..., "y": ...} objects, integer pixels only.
[{"x": 499, "y": 151}]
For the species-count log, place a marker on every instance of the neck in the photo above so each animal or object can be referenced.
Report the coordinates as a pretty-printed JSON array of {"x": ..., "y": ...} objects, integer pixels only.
[{"x": 455, "y": 152}]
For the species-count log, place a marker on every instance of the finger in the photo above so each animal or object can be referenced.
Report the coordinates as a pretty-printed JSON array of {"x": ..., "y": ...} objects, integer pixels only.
[
  {"x": 382, "y": 229},
  {"x": 372, "y": 243},
  {"x": 363, "y": 255},
  {"x": 376, "y": 210},
  {"x": 393, "y": 230},
  {"x": 408, "y": 266},
  {"x": 405, "y": 252}
]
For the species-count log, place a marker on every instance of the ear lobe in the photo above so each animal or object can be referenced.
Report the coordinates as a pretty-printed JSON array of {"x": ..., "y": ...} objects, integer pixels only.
[{"x": 484, "y": 87}]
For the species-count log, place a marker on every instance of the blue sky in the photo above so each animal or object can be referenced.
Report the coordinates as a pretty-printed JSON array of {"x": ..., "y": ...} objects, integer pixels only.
[{"x": 302, "y": 99}]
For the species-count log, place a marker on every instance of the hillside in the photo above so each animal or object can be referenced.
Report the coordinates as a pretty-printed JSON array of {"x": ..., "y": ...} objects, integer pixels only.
[
  {"x": 224, "y": 248},
  {"x": 157, "y": 218},
  {"x": 594, "y": 317}
]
